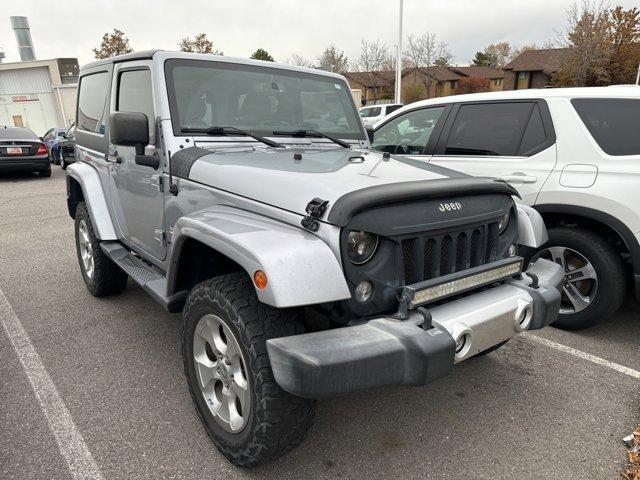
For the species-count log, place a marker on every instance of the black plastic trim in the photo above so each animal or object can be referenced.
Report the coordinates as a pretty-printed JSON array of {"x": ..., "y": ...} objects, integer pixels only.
[
  {"x": 181, "y": 162},
  {"x": 354, "y": 202}
]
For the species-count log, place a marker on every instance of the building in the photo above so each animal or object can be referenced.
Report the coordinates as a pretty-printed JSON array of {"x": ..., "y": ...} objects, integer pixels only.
[
  {"x": 445, "y": 81},
  {"x": 39, "y": 94},
  {"x": 374, "y": 87},
  {"x": 534, "y": 68}
]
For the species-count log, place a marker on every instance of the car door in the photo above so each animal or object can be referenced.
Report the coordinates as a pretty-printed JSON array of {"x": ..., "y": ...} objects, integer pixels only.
[
  {"x": 412, "y": 133},
  {"x": 137, "y": 196},
  {"x": 513, "y": 140}
]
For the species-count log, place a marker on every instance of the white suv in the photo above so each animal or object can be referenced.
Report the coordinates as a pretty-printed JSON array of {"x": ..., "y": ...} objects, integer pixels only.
[
  {"x": 573, "y": 154},
  {"x": 374, "y": 113}
]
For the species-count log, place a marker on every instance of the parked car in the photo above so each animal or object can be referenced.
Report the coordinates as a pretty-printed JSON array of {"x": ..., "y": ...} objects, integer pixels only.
[
  {"x": 304, "y": 264},
  {"x": 51, "y": 139},
  {"x": 67, "y": 147},
  {"x": 22, "y": 150},
  {"x": 573, "y": 154},
  {"x": 372, "y": 114}
]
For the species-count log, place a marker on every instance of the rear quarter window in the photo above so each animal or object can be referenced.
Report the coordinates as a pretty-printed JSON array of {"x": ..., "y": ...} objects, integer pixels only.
[
  {"x": 614, "y": 123},
  {"x": 92, "y": 102}
]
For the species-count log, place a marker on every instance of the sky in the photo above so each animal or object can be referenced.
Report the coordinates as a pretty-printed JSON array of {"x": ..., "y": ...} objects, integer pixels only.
[{"x": 282, "y": 27}]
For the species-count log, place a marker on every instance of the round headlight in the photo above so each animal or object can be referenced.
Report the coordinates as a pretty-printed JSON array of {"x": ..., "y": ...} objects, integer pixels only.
[
  {"x": 361, "y": 246},
  {"x": 503, "y": 223}
]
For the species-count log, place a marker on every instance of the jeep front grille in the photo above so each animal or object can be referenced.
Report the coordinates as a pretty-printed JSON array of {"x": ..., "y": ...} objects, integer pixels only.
[{"x": 430, "y": 256}]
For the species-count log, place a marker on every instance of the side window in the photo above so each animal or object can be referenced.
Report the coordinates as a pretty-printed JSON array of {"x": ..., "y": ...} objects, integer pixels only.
[
  {"x": 494, "y": 129},
  {"x": 612, "y": 122},
  {"x": 47, "y": 136},
  {"x": 370, "y": 112},
  {"x": 134, "y": 95},
  {"x": 393, "y": 108},
  {"x": 534, "y": 134},
  {"x": 92, "y": 102},
  {"x": 408, "y": 133}
]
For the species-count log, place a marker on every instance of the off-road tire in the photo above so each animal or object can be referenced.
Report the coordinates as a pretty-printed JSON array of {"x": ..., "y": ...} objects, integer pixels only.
[
  {"x": 107, "y": 277},
  {"x": 609, "y": 270},
  {"x": 278, "y": 421}
]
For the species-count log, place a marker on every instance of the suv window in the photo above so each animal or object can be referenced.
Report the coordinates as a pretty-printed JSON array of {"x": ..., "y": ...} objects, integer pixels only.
[
  {"x": 534, "y": 136},
  {"x": 134, "y": 95},
  {"x": 408, "y": 133},
  {"x": 392, "y": 108},
  {"x": 370, "y": 112},
  {"x": 92, "y": 100},
  {"x": 612, "y": 122},
  {"x": 489, "y": 129}
]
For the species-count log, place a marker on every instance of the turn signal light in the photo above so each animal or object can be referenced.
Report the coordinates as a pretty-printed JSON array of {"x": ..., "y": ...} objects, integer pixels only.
[
  {"x": 260, "y": 279},
  {"x": 42, "y": 150}
]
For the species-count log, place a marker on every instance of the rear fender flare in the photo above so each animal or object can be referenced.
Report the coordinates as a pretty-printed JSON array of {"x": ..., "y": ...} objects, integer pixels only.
[{"x": 94, "y": 197}]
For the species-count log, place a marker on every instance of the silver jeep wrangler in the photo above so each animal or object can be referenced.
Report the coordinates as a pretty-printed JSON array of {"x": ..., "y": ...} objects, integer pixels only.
[{"x": 244, "y": 195}]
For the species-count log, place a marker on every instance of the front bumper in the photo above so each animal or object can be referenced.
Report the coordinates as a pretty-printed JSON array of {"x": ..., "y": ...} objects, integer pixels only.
[{"x": 415, "y": 351}]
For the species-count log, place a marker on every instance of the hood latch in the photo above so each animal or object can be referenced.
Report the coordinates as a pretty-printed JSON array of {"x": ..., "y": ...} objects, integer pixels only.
[{"x": 315, "y": 209}]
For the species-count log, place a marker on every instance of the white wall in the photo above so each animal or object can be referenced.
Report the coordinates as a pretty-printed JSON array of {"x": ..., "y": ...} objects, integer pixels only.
[{"x": 37, "y": 111}]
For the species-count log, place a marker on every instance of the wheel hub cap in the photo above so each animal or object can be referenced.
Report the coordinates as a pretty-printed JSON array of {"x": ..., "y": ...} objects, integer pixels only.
[
  {"x": 221, "y": 372},
  {"x": 580, "y": 283}
]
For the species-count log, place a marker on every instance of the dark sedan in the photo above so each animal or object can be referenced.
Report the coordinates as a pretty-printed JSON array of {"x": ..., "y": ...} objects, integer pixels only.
[
  {"x": 22, "y": 150},
  {"x": 67, "y": 147}
]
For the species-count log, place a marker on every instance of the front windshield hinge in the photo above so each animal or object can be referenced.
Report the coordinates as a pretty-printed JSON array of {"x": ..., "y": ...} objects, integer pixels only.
[{"x": 315, "y": 209}]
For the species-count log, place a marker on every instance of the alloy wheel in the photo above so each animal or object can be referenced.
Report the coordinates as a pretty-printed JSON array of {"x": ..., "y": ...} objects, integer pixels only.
[
  {"x": 221, "y": 372},
  {"x": 86, "y": 248},
  {"x": 580, "y": 283}
]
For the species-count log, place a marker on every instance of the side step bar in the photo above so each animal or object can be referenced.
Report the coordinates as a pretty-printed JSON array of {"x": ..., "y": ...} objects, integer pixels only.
[{"x": 144, "y": 275}]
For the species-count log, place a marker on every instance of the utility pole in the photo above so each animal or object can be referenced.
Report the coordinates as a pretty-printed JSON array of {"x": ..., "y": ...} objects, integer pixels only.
[
  {"x": 399, "y": 59},
  {"x": 637, "y": 76}
]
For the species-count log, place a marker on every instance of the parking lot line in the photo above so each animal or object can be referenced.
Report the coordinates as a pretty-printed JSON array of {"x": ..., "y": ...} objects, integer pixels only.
[
  {"x": 70, "y": 442},
  {"x": 584, "y": 355}
]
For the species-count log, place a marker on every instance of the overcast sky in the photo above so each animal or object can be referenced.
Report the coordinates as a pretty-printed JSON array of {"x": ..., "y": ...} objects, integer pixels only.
[{"x": 282, "y": 27}]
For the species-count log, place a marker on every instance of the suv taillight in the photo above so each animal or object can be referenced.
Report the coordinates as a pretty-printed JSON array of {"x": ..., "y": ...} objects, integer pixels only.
[{"x": 42, "y": 150}]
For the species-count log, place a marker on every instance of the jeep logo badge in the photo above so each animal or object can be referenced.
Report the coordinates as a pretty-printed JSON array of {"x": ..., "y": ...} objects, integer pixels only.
[{"x": 447, "y": 207}]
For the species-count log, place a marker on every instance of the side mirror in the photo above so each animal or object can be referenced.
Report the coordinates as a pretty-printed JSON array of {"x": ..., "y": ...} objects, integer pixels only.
[
  {"x": 370, "y": 134},
  {"x": 129, "y": 129}
]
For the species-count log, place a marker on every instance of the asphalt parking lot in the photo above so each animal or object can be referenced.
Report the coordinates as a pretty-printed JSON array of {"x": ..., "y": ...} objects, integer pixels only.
[{"x": 531, "y": 410}]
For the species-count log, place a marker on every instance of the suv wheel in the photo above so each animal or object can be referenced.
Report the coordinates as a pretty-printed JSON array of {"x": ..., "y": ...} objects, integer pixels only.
[
  {"x": 63, "y": 164},
  {"x": 100, "y": 274},
  {"x": 594, "y": 283},
  {"x": 224, "y": 332}
]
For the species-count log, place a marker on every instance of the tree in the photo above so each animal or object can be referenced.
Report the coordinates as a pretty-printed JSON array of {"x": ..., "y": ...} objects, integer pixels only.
[
  {"x": 200, "y": 44},
  {"x": 483, "y": 59},
  {"x": 299, "y": 61},
  {"x": 413, "y": 91},
  {"x": 333, "y": 60},
  {"x": 426, "y": 51},
  {"x": 625, "y": 38},
  {"x": 113, "y": 44},
  {"x": 588, "y": 35},
  {"x": 373, "y": 56},
  {"x": 262, "y": 54},
  {"x": 473, "y": 85}
]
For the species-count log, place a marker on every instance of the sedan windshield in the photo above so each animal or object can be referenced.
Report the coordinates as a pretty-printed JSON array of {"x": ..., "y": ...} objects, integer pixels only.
[{"x": 261, "y": 100}]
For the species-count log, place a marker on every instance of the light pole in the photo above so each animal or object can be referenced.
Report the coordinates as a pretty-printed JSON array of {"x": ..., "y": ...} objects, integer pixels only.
[{"x": 399, "y": 59}]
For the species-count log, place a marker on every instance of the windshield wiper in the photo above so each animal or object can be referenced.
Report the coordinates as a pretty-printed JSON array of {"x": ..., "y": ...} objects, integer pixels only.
[
  {"x": 230, "y": 131},
  {"x": 311, "y": 133}
]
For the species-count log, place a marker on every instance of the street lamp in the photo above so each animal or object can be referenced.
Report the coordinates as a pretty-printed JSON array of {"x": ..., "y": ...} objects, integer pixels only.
[{"x": 399, "y": 59}]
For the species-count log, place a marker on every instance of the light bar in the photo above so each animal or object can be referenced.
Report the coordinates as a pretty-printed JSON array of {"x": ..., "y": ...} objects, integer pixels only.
[{"x": 455, "y": 283}]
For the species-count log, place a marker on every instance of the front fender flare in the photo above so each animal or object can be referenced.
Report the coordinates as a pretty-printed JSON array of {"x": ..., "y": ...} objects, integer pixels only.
[
  {"x": 532, "y": 232},
  {"x": 301, "y": 268},
  {"x": 95, "y": 198}
]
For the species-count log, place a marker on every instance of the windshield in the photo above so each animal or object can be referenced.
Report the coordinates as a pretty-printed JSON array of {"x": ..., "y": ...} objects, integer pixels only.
[{"x": 261, "y": 100}]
